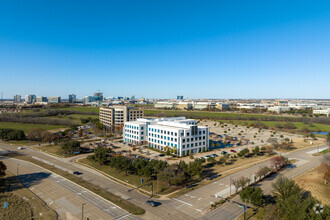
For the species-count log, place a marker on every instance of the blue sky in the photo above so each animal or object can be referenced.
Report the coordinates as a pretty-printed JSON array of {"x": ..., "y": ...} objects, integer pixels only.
[{"x": 148, "y": 48}]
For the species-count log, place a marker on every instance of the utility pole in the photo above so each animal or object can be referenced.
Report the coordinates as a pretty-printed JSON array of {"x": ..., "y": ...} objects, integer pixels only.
[
  {"x": 82, "y": 211},
  {"x": 245, "y": 209},
  {"x": 17, "y": 169},
  {"x": 230, "y": 186}
]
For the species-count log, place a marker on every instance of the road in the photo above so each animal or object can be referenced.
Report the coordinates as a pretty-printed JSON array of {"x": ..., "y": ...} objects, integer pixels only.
[
  {"x": 189, "y": 206},
  {"x": 62, "y": 195},
  {"x": 164, "y": 211}
]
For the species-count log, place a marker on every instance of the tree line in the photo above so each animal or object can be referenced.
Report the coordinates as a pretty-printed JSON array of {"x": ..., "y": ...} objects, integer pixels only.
[
  {"x": 12, "y": 134},
  {"x": 170, "y": 174}
]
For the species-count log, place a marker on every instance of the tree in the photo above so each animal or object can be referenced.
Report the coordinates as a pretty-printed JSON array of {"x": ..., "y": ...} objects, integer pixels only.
[
  {"x": 3, "y": 169},
  {"x": 211, "y": 160},
  {"x": 256, "y": 150},
  {"x": 70, "y": 146},
  {"x": 278, "y": 162},
  {"x": 253, "y": 195},
  {"x": 284, "y": 188},
  {"x": 269, "y": 150},
  {"x": 101, "y": 155},
  {"x": 262, "y": 172}
]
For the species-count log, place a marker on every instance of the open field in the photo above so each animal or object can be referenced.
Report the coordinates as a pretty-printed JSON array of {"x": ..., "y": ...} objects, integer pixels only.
[
  {"x": 313, "y": 182},
  {"x": 237, "y": 118},
  {"x": 126, "y": 205},
  {"x": 219, "y": 115},
  {"x": 23, "y": 204},
  {"x": 75, "y": 118},
  {"x": 55, "y": 150},
  {"x": 27, "y": 127}
]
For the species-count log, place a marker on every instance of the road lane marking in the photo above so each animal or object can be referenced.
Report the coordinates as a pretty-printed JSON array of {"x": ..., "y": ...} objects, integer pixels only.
[
  {"x": 183, "y": 202},
  {"x": 198, "y": 210},
  {"x": 199, "y": 198},
  {"x": 124, "y": 216}
]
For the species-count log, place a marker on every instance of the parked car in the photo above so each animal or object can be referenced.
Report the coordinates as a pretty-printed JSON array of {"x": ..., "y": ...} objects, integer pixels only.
[
  {"x": 20, "y": 148},
  {"x": 234, "y": 151},
  {"x": 215, "y": 155},
  {"x": 77, "y": 173},
  {"x": 224, "y": 152}
]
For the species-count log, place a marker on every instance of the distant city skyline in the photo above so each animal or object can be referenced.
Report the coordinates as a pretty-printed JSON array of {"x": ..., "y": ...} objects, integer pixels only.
[{"x": 161, "y": 49}]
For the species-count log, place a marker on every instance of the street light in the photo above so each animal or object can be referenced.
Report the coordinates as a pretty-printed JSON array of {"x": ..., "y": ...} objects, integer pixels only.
[{"x": 82, "y": 211}]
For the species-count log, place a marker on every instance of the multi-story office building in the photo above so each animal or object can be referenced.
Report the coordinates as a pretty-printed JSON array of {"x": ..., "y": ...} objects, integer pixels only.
[
  {"x": 116, "y": 116},
  {"x": 181, "y": 135},
  {"x": 322, "y": 112},
  {"x": 42, "y": 99},
  {"x": 54, "y": 99},
  {"x": 30, "y": 99},
  {"x": 17, "y": 98},
  {"x": 98, "y": 96},
  {"x": 72, "y": 98},
  {"x": 179, "y": 97}
]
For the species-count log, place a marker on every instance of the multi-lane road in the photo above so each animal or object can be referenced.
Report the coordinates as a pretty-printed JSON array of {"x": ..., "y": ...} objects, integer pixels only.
[{"x": 189, "y": 206}]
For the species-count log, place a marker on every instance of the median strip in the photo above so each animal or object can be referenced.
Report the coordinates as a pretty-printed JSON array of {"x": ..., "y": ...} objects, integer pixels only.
[{"x": 126, "y": 205}]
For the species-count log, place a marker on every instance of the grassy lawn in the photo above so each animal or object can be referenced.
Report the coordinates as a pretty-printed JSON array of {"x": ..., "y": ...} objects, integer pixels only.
[
  {"x": 27, "y": 127},
  {"x": 220, "y": 115},
  {"x": 55, "y": 150},
  {"x": 75, "y": 118},
  {"x": 81, "y": 109},
  {"x": 130, "y": 179},
  {"x": 124, "y": 204},
  {"x": 313, "y": 182},
  {"x": 13, "y": 192},
  {"x": 22, "y": 143}
]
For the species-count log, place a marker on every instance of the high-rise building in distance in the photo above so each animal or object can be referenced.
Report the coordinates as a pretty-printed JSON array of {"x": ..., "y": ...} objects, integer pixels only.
[
  {"x": 54, "y": 99},
  {"x": 30, "y": 99},
  {"x": 72, "y": 98},
  {"x": 17, "y": 98},
  {"x": 98, "y": 96},
  {"x": 179, "y": 97},
  {"x": 42, "y": 99}
]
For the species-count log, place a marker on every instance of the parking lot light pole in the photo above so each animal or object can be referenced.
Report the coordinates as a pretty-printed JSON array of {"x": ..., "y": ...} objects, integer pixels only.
[
  {"x": 82, "y": 211},
  {"x": 230, "y": 186}
]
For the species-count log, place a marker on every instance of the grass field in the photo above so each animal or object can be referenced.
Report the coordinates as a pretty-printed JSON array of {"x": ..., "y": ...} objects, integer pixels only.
[
  {"x": 313, "y": 182},
  {"x": 75, "y": 118},
  {"x": 81, "y": 109},
  {"x": 13, "y": 192},
  {"x": 27, "y": 127},
  {"x": 56, "y": 150},
  {"x": 220, "y": 115},
  {"x": 96, "y": 189}
]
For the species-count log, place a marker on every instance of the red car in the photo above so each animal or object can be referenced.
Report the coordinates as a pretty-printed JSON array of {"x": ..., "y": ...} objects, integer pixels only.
[{"x": 234, "y": 151}]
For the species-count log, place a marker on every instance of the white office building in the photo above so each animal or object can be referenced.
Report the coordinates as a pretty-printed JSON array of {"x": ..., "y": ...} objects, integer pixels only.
[
  {"x": 322, "y": 112},
  {"x": 182, "y": 136}
]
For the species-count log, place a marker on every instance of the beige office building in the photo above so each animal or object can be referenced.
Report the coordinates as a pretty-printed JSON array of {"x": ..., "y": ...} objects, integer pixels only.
[{"x": 116, "y": 116}]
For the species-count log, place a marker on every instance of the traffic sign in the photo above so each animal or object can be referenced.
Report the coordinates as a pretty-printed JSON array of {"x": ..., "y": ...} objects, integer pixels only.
[
  {"x": 244, "y": 210},
  {"x": 5, "y": 205}
]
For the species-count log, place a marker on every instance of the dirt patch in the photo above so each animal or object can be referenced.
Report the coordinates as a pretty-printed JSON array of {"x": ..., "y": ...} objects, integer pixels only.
[{"x": 312, "y": 181}]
